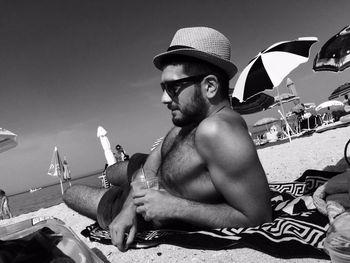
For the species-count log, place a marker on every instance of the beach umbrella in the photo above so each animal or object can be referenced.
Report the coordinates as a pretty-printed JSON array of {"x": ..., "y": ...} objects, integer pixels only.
[
  {"x": 66, "y": 171},
  {"x": 56, "y": 167},
  {"x": 329, "y": 106},
  {"x": 8, "y": 140},
  {"x": 283, "y": 98},
  {"x": 335, "y": 53},
  {"x": 268, "y": 69},
  {"x": 101, "y": 134},
  {"x": 257, "y": 103},
  {"x": 309, "y": 105},
  {"x": 340, "y": 91},
  {"x": 265, "y": 121}
]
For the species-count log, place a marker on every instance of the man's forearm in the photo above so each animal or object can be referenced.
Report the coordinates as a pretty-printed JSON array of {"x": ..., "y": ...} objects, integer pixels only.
[{"x": 209, "y": 215}]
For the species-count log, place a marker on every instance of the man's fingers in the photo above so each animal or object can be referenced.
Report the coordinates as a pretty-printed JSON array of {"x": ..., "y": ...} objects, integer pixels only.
[
  {"x": 139, "y": 201},
  {"x": 130, "y": 237},
  {"x": 139, "y": 193},
  {"x": 113, "y": 233},
  {"x": 120, "y": 240},
  {"x": 140, "y": 209}
]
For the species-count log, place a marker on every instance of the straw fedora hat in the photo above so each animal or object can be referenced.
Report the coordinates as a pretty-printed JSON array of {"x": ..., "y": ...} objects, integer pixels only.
[{"x": 203, "y": 43}]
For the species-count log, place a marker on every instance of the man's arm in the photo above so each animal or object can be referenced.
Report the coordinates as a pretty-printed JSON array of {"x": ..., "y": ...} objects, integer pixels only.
[
  {"x": 124, "y": 226},
  {"x": 235, "y": 170}
]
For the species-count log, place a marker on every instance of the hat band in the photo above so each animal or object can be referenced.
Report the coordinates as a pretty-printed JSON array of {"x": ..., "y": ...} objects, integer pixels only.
[{"x": 176, "y": 47}]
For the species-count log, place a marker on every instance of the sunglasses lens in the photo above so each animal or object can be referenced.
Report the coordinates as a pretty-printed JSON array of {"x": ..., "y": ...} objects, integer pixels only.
[{"x": 169, "y": 90}]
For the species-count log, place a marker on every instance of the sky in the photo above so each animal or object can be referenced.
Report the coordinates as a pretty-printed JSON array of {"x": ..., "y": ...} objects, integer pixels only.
[{"x": 69, "y": 66}]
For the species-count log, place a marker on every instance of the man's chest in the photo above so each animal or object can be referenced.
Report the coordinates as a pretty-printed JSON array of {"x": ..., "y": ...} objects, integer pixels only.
[{"x": 182, "y": 168}]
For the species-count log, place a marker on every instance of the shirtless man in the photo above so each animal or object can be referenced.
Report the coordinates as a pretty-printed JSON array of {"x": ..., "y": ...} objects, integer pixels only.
[
  {"x": 4, "y": 207},
  {"x": 208, "y": 166}
]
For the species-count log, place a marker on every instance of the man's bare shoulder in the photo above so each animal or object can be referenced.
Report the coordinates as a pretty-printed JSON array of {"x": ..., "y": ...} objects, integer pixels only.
[
  {"x": 224, "y": 122},
  {"x": 224, "y": 133}
]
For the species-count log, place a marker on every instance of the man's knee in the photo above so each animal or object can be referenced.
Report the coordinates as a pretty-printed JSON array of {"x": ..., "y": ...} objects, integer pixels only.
[
  {"x": 116, "y": 174},
  {"x": 135, "y": 162},
  {"x": 120, "y": 173},
  {"x": 69, "y": 195}
]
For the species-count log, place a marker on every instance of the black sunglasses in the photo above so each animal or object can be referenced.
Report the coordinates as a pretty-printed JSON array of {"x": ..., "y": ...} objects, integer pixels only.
[{"x": 174, "y": 87}]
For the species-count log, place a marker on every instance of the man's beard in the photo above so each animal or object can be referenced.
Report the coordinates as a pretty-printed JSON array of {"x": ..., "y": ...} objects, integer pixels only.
[{"x": 193, "y": 113}]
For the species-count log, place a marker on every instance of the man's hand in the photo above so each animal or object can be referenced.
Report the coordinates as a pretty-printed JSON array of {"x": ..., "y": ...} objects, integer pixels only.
[
  {"x": 338, "y": 184},
  {"x": 337, "y": 189},
  {"x": 123, "y": 228},
  {"x": 154, "y": 205}
]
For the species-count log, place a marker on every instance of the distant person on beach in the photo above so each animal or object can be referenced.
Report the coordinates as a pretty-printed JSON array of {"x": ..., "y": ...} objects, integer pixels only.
[
  {"x": 208, "y": 166},
  {"x": 120, "y": 154},
  {"x": 5, "y": 212},
  {"x": 272, "y": 134}
]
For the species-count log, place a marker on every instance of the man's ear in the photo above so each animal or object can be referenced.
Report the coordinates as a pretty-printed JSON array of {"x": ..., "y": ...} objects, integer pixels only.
[{"x": 212, "y": 86}]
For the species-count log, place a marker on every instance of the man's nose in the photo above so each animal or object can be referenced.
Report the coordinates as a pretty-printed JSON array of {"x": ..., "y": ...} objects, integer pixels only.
[{"x": 166, "y": 98}]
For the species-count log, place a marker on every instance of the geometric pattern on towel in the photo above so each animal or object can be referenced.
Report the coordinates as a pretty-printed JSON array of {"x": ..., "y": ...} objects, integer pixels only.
[
  {"x": 297, "y": 229},
  {"x": 296, "y": 189}
]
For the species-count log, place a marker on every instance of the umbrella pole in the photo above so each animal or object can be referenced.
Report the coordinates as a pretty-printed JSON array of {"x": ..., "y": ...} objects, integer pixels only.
[
  {"x": 288, "y": 130},
  {"x": 287, "y": 125},
  {"x": 61, "y": 186}
]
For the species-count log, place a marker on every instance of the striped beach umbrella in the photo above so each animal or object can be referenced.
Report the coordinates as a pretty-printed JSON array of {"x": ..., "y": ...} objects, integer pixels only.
[
  {"x": 340, "y": 91},
  {"x": 257, "y": 103},
  {"x": 335, "y": 53},
  {"x": 8, "y": 140},
  {"x": 268, "y": 69}
]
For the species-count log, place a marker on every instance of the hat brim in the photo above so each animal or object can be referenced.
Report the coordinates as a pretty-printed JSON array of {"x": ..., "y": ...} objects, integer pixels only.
[{"x": 223, "y": 64}]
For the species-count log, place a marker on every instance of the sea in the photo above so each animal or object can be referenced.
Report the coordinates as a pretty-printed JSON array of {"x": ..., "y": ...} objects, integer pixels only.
[{"x": 47, "y": 196}]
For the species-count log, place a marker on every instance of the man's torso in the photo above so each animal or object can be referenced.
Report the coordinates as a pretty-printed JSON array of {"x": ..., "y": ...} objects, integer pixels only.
[{"x": 183, "y": 172}]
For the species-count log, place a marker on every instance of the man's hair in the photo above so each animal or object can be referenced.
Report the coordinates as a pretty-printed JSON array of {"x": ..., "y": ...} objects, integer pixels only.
[{"x": 193, "y": 66}]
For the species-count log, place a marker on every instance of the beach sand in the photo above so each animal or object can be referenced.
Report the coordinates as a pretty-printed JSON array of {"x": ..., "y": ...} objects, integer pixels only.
[{"x": 282, "y": 163}]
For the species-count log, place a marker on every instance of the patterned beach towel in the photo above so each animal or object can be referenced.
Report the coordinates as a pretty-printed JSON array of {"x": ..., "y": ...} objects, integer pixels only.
[{"x": 298, "y": 229}]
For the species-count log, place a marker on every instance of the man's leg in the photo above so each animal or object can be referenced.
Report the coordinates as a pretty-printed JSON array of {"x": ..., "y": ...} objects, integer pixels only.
[
  {"x": 120, "y": 173},
  {"x": 84, "y": 199}
]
